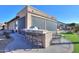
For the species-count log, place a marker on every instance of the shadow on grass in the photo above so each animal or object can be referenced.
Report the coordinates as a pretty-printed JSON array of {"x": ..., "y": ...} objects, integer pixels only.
[{"x": 65, "y": 43}]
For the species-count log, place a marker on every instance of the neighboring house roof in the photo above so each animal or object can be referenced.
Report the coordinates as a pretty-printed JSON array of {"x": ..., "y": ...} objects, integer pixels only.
[
  {"x": 1, "y": 24},
  {"x": 61, "y": 23},
  {"x": 13, "y": 19}
]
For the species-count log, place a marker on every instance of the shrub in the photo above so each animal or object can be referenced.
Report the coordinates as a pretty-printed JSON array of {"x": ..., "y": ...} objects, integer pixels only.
[
  {"x": 7, "y": 35},
  {"x": 69, "y": 32}
]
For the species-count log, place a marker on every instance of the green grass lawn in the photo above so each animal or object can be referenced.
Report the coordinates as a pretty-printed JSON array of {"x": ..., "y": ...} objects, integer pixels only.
[{"x": 74, "y": 38}]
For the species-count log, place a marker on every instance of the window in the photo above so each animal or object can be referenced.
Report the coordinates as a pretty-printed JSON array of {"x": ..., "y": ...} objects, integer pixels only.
[
  {"x": 51, "y": 26},
  {"x": 21, "y": 23},
  {"x": 38, "y": 22}
]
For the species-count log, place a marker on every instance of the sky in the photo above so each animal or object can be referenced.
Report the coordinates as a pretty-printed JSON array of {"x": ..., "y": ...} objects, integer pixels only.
[
  {"x": 63, "y": 13},
  {"x": 8, "y": 12}
]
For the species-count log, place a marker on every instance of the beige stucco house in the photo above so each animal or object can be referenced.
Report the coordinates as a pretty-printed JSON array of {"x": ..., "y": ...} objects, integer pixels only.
[{"x": 30, "y": 16}]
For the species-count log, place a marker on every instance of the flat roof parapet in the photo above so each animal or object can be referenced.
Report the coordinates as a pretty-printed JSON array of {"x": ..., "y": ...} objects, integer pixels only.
[{"x": 13, "y": 19}]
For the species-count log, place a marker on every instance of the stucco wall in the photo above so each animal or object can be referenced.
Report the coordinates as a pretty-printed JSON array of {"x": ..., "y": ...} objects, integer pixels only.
[{"x": 28, "y": 12}]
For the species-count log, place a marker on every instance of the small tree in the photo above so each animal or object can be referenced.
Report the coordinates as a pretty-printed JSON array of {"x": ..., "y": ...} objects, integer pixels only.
[
  {"x": 77, "y": 28},
  {"x": 72, "y": 26}
]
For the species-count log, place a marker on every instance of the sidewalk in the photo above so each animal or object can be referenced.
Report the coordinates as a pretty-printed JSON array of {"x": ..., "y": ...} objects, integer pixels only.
[
  {"x": 3, "y": 43},
  {"x": 51, "y": 49},
  {"x": 18, "y": 42}
]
